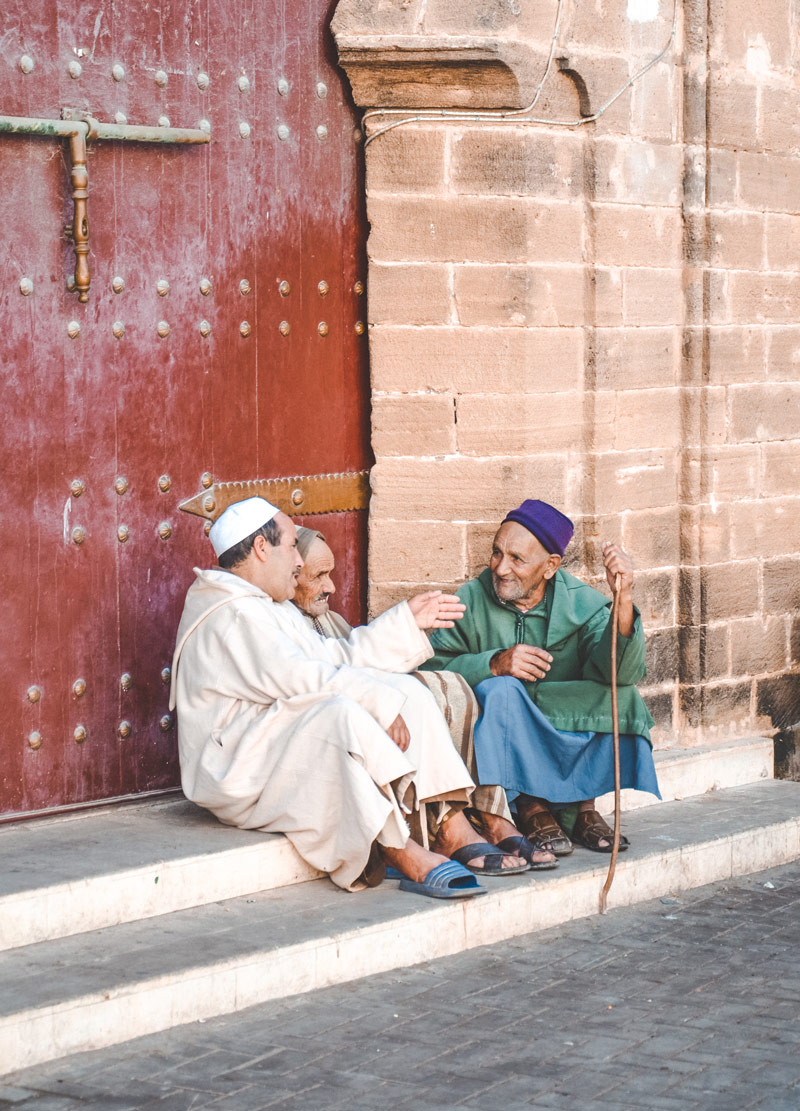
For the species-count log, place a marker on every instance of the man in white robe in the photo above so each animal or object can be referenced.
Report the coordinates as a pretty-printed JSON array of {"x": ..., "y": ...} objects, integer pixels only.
[
  {"x": 489, "y": 809},
  {"x": 282, "y": 731}
]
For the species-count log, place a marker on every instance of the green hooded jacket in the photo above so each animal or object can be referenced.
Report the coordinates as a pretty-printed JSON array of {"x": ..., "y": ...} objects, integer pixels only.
[{"x": 573, "y": 624}]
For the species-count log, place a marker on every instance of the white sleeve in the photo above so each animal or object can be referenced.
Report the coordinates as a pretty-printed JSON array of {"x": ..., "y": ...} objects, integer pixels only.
[
  {"x": 392, "y": 642},
  {"x": 259, "y": 662}
]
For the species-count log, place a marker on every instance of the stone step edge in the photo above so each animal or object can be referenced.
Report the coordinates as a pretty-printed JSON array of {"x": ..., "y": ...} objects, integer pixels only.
[
  {"x": 108, "y": 899},
  {"x": 149, "y": 891},
  {"x": 686, "y": 772},
  {"x": 98, "y": 1020}
]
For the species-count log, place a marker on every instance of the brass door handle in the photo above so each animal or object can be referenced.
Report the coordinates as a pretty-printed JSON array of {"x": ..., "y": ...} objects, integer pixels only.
[
  {"x": 80, "y": 217},
  {"x": 79, "y": 129}
]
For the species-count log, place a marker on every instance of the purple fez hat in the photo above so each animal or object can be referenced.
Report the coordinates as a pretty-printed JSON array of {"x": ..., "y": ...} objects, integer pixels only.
[{"x": 550, "y": 527}]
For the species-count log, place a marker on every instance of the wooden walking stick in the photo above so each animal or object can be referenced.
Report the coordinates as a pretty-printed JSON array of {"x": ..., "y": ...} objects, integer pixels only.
[{"x": 612, "y": 867}]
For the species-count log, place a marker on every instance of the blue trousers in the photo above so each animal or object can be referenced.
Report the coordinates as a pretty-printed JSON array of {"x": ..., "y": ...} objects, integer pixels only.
[{"x": 517, "y": 747}]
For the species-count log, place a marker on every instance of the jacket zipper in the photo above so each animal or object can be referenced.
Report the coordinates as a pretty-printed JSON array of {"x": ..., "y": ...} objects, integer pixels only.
[{"x": 520, "y": 629}]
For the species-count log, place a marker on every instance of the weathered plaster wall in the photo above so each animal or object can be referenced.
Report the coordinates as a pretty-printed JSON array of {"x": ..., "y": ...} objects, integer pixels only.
[{"x": 607, "y": 317}]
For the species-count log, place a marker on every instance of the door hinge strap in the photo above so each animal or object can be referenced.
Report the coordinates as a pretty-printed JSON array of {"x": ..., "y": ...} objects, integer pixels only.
[{"x": 297, "y": 496}]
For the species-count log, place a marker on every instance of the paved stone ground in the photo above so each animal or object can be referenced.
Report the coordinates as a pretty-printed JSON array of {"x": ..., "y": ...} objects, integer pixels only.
[{"x": 691, "y": 1006}]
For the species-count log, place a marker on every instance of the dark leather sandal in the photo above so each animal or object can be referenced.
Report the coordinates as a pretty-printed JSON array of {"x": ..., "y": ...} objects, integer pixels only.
[
  {"x": 527, "y": 850},
  {"x": 590, "y": 829},
  {"x": 544, "y": 832},
  {"x": 492, "y": 860}
]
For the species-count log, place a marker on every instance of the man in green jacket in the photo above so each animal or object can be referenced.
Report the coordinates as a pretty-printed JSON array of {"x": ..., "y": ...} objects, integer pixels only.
[{"x": 535, "y": 644}]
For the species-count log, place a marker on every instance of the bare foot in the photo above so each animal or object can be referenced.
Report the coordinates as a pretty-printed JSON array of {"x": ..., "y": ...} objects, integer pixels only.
[
  {"x": 456, "y": 832},
  {"x": 496, "y": 829},
  {"x": 527, "y": 805},
  {"x": 412, "y": 860}
]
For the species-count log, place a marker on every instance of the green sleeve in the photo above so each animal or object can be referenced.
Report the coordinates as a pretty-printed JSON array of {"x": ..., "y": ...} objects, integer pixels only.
[
  {"x": 451, "y": 648},
  {"x": 595, "y": 650}
]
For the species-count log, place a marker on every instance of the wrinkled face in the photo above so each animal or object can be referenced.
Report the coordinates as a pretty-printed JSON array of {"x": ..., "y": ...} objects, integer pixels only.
[
  {"x": 278, "y": 567},
  {"x": 315, "y": 586},
  {"x": 520, "y": 566}
]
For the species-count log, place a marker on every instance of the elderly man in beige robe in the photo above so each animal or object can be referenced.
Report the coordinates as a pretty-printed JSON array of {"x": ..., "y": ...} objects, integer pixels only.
[
  {"x": 282, "y": 731},
  {"x": 453, "y": 695}
]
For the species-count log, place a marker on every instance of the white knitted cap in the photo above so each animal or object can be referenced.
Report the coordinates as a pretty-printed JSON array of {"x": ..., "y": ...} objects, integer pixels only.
[{"x": 240, "y": 520}]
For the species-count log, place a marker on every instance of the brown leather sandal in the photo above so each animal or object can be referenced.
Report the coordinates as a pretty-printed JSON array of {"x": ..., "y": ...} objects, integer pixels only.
[
  {"x": 544, "y": 832},
  {"x": 590, "y": 829}
]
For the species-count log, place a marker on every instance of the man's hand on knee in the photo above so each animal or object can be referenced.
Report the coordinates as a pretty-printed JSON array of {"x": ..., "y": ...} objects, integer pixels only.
[
  {"x": 522, "y": 662},
  {"x": 399, "y": 733}
]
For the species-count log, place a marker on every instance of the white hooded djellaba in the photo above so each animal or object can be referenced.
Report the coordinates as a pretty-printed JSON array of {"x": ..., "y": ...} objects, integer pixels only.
[{"x": 283, "y": 731}]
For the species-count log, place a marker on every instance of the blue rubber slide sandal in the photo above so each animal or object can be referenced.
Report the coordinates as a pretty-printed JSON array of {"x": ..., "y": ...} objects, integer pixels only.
[{"x": 445, "y": 881}]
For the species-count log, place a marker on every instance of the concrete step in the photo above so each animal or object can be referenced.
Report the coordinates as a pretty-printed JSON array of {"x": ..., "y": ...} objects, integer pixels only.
[
  {"x": 101, "y": 988},
  {"x": 87, "y": 871}
]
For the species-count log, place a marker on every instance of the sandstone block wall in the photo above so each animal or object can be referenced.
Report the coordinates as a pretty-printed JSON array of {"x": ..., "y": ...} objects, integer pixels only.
[{"x": 606, "y": 317}]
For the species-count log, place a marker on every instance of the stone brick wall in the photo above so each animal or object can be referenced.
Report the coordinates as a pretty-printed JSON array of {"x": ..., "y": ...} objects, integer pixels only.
[{"x": 606, "y": 317}]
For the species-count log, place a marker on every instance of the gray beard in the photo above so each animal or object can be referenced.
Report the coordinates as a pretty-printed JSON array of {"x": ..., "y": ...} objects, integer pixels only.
[{"x": 513, "y": 593}]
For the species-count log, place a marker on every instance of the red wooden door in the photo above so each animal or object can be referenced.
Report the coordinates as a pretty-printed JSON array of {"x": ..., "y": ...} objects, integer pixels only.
[{"x": 222, "y": 337}]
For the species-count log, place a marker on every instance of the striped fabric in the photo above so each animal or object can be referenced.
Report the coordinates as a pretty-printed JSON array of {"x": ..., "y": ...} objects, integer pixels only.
[{"x": 460, "y": 709}]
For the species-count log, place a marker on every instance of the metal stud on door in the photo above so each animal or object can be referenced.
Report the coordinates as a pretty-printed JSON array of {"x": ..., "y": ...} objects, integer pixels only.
[{"x": 220, "y": 338}]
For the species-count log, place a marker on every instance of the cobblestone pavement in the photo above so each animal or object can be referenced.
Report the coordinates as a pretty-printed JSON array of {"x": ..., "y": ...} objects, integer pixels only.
[{"x": 690, "y": 1005}]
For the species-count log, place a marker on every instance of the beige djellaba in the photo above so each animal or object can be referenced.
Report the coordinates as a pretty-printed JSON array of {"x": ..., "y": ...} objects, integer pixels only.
[
  {"x": 283, "y": 731},
  {"x": 458, "y": 705}
]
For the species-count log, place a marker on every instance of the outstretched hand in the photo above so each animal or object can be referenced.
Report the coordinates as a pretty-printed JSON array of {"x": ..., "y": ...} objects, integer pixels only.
[{"x": 435, "y": 610}]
